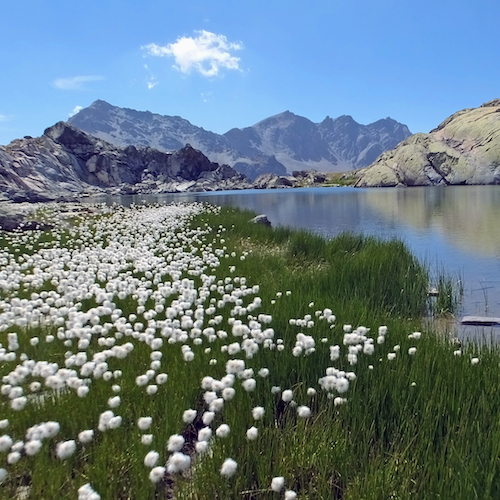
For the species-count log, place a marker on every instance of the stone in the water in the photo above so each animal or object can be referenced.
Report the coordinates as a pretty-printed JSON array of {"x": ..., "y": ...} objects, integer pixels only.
[
  {"x": 480, "y": 320},
  {"x": 261, "y": 219}
]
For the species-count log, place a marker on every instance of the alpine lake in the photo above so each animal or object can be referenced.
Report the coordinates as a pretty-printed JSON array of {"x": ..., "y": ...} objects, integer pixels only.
[{"x": 453, "y": 230}]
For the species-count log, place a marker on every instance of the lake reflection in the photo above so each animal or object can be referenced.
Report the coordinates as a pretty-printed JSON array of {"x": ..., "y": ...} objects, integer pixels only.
[{"x": 455, "y": 228}]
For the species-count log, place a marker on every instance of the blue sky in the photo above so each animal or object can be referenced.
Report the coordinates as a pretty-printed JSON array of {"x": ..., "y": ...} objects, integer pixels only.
[{"x": 231, "y": 64}]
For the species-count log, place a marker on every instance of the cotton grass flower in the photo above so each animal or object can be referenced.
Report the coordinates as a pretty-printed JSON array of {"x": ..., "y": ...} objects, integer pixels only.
[
  {"x": 249, "y": 384},
  {"x": 144, "y": 423},
  {"x": 65, "y": 449},
  {"x": 151, "y": 459},
  {"x": 86, "y": 436},
  {"x": 18, "y": 404},
  {"x": 32, "y": 447},
  {"x": 188, "y": 416},
  {"x": 303, "y": 411},
  {"x": 147, "y": 439},
  {"x": 201, "y": 446},
  {"x": 13, "y": 457},
  {"x": 175, "y": 442},
  {"x": 222, "y": 431},
  {"x": 114, "y": 402},
  {"x": 5, "y": 443},
  {"x": 252, "y": 433},
  {"x": 152, "y": 389},
  {"x": 156, "y": 474},
  {"x": 290, "y": 495},
  {"x": 208, "y": 417},
  {"x": 258, "y": 412},
  {"x": 277, "y": 483},
  {"x": 474, "y": 361},
  {"x": 412, "y": 351},
  {"x": 204, "y": 434},
  {"x": 287, "y": 395},
  {"x": 228, "y": 468},
  {"x": 178, "y": 462}
]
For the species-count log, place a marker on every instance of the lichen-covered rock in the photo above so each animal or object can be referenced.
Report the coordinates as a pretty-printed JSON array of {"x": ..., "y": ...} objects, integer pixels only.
[{"x": 464, "y": 149}]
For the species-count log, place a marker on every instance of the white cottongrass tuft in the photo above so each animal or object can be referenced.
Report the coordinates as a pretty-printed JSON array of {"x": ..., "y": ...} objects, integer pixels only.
[
  {"x": 152, "y": 389},
  {"x": 5, "y": 443},
  {"x": 188, "y": 416},
  {"x": 249, "y": 384},
  {"x": 65, "y": 449},
  {"x": 222, "y": 431},
  {"x": 277, "y": 483},
  {"x": 228, "y": 467},
  {"x": 252, "y": 433},
  {"x": 178, "y": 462},
  {"x": 228, "y": 393},
  {"x": 258, "y": 412},
  {"x": 290, "y": 495},
  {"x": 204, "y": 434},
  {"x": 86, "y": 436},
  {"x": 201, "y": 446},
  {"x": 175, "y": 442},
  {"x": 32, "y": 447},
  {"x": 156, "y": 474},
  {"x": 303, "y": 411},
  {"x": 13, "y": 457},
  {"x": 287, "y": 395},
  {"x": 114, "y": 401},
  {"x": 412, "y": 351},
  {"x": 147, "y": 439},
  {"x": 474, "y": 361},
  {"x": 151, "y": 459},
  {"x": 86, "y": 492},
  {"x": 144, "y": 423}
]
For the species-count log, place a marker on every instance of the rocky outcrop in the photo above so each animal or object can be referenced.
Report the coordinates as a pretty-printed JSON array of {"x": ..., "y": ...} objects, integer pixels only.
[
  {"x": 66, "y": 161},
  {"x": 279, "y": 144},
  {"x": 464, "y": 149},
  {"x": 300, "y": 178}
]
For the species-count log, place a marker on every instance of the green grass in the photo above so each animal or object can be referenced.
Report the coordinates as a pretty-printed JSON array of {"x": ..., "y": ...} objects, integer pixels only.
[{"x": 418, "y": 426}]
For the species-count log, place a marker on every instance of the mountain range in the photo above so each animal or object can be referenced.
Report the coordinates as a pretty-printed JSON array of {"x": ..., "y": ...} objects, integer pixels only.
[{"x": 279, "y": 144}]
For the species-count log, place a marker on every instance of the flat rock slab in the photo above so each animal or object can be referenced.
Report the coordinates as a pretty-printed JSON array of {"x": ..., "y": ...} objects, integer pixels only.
[{"x": 480, "y": 320}]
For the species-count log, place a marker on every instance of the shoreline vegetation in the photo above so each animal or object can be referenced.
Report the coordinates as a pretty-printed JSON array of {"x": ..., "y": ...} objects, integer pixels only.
[{"x": 181, "y": 351}]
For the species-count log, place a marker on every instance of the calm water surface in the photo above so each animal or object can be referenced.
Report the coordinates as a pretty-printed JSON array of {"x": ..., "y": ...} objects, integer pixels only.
[{"x": 452, "y": 228}]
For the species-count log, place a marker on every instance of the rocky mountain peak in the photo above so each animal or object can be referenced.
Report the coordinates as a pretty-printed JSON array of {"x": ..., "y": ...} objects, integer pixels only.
[{"x": 283, "y": 142}]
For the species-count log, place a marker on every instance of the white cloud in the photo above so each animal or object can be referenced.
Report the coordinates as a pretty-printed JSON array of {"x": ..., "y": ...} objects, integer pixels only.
[
  {"x": 207, "y": 54},
  {"x": 3, "y": 118},
  {"x": 76, "y": 82},
  {"x": 152, "y": 84},
  {"x": 75, "y": 110}
]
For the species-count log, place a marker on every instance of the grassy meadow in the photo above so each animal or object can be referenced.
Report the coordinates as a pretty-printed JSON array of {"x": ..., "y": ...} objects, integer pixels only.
[{"x": 180, "y": 351}]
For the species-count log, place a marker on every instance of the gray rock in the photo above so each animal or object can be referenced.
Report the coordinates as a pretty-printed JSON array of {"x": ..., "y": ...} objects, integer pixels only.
[
  {"x": 464, "y": 149},
  {"x": 66, "y": 161},
  {"x": 273, "y": 181},
  {"x": 261, "y": 219}
]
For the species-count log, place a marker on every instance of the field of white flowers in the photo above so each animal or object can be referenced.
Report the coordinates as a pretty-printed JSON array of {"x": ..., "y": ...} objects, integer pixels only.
[{"x": 149, "y": 352}]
